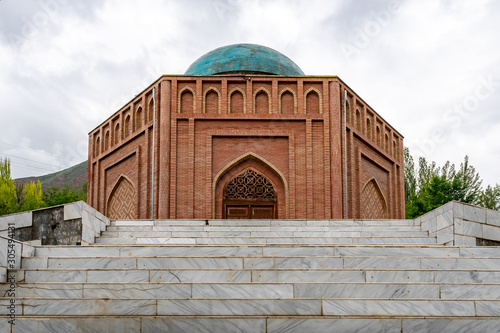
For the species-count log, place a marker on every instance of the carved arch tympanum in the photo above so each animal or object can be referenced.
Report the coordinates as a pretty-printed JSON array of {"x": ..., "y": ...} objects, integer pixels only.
[
  {"x": 121, "y": 203},
  {"x": 373, "y": 203}
]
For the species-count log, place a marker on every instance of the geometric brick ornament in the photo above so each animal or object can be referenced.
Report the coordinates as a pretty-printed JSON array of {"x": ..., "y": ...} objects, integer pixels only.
[
  {"x": 373, "y": 205},
  {"x": 250, "y": 185},
  {"x": 121, "y": 204}
]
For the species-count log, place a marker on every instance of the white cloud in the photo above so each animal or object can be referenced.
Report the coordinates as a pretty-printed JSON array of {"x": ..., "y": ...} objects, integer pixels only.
[{"x": 78, "y": 67}]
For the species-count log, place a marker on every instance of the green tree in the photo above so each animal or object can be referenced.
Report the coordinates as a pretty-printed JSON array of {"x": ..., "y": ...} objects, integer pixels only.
[
  {"x": 430, "y": 186},
  {"x": 32, "y": 196},
  {"x": 57, "y": 196},
  {"x": 490, "y": 197},
  {"x": 7, "y": 189}
]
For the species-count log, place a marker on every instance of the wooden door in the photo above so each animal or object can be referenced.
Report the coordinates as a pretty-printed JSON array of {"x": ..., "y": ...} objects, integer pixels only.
[{"x": 252, "y": 211}]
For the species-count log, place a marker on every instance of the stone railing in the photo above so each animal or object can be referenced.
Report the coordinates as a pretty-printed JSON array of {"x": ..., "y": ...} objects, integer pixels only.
[{"x": 462, "y": 224}]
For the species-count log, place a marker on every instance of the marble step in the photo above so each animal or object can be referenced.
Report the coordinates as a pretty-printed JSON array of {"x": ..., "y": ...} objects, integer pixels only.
[
  {"x": 266, "y": 240},
  {"x": 257, "y": 234},
  {"x": 159, "y": 275},
  {"x": 413, "y": 291},
  {"x": 254, "y": 307},
  {"x": 243, "y": 228},
  {"x": 265, "y": 222},
  {"x": 221, "y": 262},
  {"x": 427, "y": 251},
  {"x": 249, "y": 324}
]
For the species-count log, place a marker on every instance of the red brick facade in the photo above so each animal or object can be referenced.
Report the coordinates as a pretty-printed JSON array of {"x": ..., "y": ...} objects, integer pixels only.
[{"x": 210, "y": 129}]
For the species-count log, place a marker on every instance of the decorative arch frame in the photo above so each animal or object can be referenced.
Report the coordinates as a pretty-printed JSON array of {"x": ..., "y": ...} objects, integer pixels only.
[
  {"x": 377, "y": 185},
  {"x": 151, "y": 111},
  {"x": 284, "y": 90},
  {"x": 348, "y": 112},
  {"x": 269, "y": 100},
  {"x": 106, "y": 140},
  {"x": 179, "y": 98},
  {"x": 231, "y": 92},
  {"x": 205, "y": 93},
  {"x": 137, "y": 118},
  {"x": 126, "y": 126},
  {"x": 260, "y": 159},
  {"x": 316, "y": 91},
  {"x": 116, "y": 136},
  {"x": 113, "y": 190},
  {"x": 97, "y": 146}
]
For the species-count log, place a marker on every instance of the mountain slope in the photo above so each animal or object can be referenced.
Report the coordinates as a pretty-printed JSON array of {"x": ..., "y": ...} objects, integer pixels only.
[{"x": 73, "y": 176}]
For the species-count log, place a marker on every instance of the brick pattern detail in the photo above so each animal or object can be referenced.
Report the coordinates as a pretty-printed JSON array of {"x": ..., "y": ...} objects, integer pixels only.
[
  {"x": 372, "y": 202},
  {"x": 122, "y": 201}
]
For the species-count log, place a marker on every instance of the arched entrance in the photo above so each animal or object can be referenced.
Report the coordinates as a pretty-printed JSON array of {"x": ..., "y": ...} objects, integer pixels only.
[
  {"x": 249, "y": 195},
  {"x": 250, "y": 187}
]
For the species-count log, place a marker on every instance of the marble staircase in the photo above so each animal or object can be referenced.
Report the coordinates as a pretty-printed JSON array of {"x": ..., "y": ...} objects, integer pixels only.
[{"x": 258, "y": 276}]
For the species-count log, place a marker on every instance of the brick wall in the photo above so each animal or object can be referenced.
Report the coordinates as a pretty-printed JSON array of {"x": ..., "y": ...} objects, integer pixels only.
[{"x": 290, "y": 129}]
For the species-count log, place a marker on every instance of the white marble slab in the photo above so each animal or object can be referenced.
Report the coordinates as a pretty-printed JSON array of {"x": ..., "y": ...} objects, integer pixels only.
[
  {"x": 400, "y": 276},
  {"x": 136, "y": 290},
  {"x": 118, "y": 276},
  {"x": 89, "y": 307},
  {"x": 80, "y": 325},
  {"x": 468, "y": 291},
  {"x": 197, "y": 276},
  {"x": 466, "y": 277},
  {"x": 398, "y": 308},
  {"x": 455, "y": 325},
  {"x": 491, "y": 232},
  {"x": 444, "y": 220},
  {"x": 179, "y": 228},
  {"x": 301, "y": 325},
  {"x": 488, "y": 308},
  {"x": 190, "y": 263},
  {"x": 222, "y": 234},
  {"x": 394, "y": 240},
  {"x": 117, "y": 241},
  {"x": 77, "y": 251},
  {"x": 172, "y": 324},
  {"x": 382, "y": 263},
  {"x": 129, "y": 228},
  {"x": 3, "y": 274},
  {"x": 55, "y": 276},
  {"x": 398, "y": 252},
  {"x": 93, "y": 263},
  {"x": 475, "y": 214},
  {"x": 240, "y": 222},
  {"x": 238, "y": 307},
  {"x": 297, "y": 240},
  {"x": 45, "y": 290},
  {"x": 289, "y": 276},
  {"x": 366, "y": 291},
  {"x": 461, "y": 263},
  {"x": 165, "y": 240},
  {"x": 73, "y": 211},
  {"x": 243, "y": 291},
  {"x": 461, "y": 240},
  {"x": 34, "y": 263},
  {"x": 480, "y": 252},
  {"x": 191, "y": 251},
  {"x": 298, "y": 251},
  {"x": 229, "y": 240},
  {"x": 492, "y": 217},
  {"x": 293, "y": 263},
  {"x": 468, "y": 228},
  {"x": 445, "y": 235},
  {"x": 20, "y": 220}
]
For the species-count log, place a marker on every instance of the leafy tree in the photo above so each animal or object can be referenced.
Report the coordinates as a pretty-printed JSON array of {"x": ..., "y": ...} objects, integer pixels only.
[
  {"x": 55, "y": 196},
  {"x": 32, "y": 196},
  {"x": 490, "y": 197},
  {"x": 429, "y": 186},
  {"x": 7, "y": 189}
]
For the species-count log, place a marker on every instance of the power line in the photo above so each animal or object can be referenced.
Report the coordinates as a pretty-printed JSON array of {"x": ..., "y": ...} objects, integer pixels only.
[
  {"x": 27, "y": 159},
  {"x": 9, "y": 144},
  {"x": 31, "y": 166}
]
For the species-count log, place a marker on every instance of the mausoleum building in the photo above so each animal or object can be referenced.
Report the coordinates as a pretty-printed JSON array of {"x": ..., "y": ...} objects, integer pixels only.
[{"x": 244, "y": 133}]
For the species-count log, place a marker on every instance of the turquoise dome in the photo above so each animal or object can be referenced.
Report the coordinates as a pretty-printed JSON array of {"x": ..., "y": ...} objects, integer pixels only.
[{"x": 244, "y": 58}]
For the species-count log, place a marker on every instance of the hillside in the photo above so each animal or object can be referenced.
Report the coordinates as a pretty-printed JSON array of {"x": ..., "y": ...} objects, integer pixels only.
[{"x": 73, "y": 176}]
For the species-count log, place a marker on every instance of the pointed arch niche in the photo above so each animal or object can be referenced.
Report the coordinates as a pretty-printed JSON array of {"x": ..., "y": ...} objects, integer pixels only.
[
  {"x": 121, "y": 201},
  {"x": 373, "y": 203},
  {"x": 258, "y": 167}
]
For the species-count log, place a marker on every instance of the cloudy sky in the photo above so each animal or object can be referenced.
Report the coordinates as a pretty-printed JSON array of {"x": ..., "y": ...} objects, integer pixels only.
[{"x": 430, "y": 68}]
